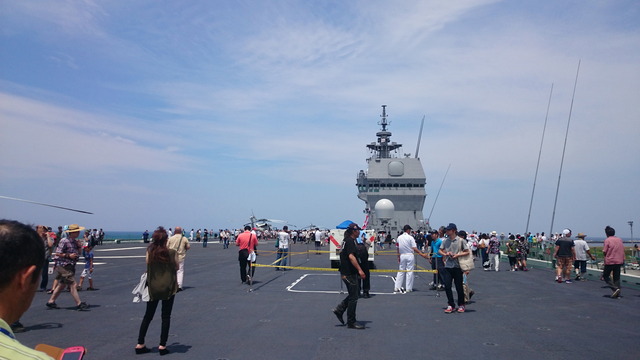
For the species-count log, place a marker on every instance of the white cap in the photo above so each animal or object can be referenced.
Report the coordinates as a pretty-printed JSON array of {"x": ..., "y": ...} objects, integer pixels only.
[{"x": 566, "y": 232}]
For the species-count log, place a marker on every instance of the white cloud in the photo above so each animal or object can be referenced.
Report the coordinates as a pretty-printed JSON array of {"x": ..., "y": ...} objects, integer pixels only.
[{"x": 44, "y": 136}]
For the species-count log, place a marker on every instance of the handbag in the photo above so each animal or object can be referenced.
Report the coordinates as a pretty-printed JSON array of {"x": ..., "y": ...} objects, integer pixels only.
[
  {"x": 466, "y": 262},
  {"x": 141, "y": 291},
  {"x": 252, "y": 255}
]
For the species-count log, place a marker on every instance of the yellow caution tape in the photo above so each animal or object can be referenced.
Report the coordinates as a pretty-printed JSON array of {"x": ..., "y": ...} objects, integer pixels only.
[{"x": 331, "y": 269}]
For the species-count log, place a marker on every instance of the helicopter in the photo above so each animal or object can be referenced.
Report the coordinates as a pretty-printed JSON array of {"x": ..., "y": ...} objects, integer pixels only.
[{"x": 264, "y": 224}]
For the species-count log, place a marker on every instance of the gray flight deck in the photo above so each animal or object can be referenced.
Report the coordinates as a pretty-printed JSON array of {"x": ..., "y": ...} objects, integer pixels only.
[{"x": 287, "y": 315}]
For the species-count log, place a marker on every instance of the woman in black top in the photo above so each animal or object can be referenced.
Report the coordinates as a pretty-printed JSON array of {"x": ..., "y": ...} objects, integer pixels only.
[{"x": 162, "y": 266}]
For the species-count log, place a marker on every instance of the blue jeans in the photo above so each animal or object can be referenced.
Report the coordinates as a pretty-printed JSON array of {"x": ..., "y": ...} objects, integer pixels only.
[
  {"x": 485, "y": 256},
  {"x": 281, "y": 257}
]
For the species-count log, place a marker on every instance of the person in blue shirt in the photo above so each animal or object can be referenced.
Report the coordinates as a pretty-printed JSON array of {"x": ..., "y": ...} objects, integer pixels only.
[
  {"x": 362, "y": 250},
  {"x": 436, "y": 259},
  {"x": 87, "y": 272}
]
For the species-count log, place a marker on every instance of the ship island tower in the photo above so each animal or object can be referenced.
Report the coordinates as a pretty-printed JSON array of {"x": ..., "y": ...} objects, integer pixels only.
[{"x": 392, "y": 187}]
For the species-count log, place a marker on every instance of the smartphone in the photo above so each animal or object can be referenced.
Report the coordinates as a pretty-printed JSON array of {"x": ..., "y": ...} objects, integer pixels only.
[{"x": 73, "y": 353}]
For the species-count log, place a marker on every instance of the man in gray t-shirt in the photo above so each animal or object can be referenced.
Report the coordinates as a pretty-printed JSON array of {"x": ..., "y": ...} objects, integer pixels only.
[{"x": 453, "y": 247}]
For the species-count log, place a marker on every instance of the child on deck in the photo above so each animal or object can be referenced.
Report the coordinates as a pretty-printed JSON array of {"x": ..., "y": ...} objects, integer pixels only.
[{"x": 87, "y": 252}]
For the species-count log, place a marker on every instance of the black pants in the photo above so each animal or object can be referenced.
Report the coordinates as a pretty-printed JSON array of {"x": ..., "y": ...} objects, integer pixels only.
[
  {"x": 365, "y": 284},
  {"x": 45, "y": 275},
  {"x": 453, "y": 275},
  {"x": 437, "y": 264},
  {"x": 243, "y": 256},
  {"x": 606, "y": 274},
  {"x": 167, "y": 306},
  {"x": 351, "y": 301}
]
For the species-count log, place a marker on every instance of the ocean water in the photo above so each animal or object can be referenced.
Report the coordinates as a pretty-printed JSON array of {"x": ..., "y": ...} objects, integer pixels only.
[{"x": 124, "y": 235}]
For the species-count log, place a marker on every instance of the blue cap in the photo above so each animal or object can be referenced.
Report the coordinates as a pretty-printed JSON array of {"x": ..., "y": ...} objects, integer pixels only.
[{"x": 451, "y": 226}]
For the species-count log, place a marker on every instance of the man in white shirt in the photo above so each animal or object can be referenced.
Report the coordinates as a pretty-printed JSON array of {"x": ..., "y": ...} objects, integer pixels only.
[
  {"x": 543, "y": 241},
  {"x": 318, "y": 237},
  {"x": 283, "y": 248},
  {"x": 406, "y": 245},
  {"x": 582, "y": 250}
]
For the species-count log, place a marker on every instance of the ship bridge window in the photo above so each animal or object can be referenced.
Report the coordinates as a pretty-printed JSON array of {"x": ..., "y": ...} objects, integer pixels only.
[
  {"x": 403, "y": 185},
  {"x": 396, "y": 185},
  {"x": 409, "y": 185}
]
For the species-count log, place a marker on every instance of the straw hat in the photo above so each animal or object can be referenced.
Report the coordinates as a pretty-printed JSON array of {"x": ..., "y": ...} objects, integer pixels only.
[
  {"x": 74, "y": 228},
  {"x": 581, "y": 235}
]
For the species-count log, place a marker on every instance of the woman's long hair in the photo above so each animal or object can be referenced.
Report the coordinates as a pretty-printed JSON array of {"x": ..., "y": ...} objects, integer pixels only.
[{"x": 158, "y": 250}]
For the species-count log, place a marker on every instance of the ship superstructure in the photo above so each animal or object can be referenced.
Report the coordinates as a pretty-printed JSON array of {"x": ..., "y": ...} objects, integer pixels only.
[{"x": 392, "y": 187}]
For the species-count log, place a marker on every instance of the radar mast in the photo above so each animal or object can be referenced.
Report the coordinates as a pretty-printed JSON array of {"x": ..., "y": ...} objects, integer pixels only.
[{"x": 383, "y": 147}]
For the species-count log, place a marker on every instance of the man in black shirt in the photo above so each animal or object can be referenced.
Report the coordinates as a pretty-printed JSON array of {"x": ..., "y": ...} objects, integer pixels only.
[
  {"x": 565, "y": 254},
  {"x": 349, "y": 271}
]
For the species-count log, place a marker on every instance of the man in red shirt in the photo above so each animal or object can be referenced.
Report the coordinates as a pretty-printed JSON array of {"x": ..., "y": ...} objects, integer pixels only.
[
  {"x": 613, "y": 259},
  {"x": 246, "y": 242}
]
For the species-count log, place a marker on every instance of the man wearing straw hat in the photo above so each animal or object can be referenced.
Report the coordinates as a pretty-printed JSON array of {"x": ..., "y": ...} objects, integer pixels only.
[
  {"x": 582, "y": 250},
  {"x": 66, "y": 256}
]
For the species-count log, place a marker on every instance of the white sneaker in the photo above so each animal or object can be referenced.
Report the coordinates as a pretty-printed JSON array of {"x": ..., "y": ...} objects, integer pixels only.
[{"x": 615, "y": 294}]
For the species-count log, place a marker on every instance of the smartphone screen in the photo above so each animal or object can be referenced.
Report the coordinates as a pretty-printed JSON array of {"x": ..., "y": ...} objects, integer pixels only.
[{"x": 75, "y": 353}]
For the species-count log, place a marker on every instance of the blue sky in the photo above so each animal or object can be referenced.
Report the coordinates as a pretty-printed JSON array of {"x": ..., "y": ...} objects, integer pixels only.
[{"x": 199, "y": 113}]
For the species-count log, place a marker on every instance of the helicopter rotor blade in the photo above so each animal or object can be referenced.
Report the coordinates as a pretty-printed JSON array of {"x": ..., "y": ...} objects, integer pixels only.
[{"x": 43, "y": 204}]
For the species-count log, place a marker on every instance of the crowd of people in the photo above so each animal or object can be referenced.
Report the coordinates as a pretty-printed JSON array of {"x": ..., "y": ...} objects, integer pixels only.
[
  {"x": 228, "y": 236},
  {"x": 25, "y": 254},
  {"x": 443, "y": 248}
]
